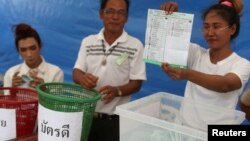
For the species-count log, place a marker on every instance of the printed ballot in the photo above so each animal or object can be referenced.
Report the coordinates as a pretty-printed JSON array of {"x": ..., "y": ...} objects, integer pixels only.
[{"x": 168, "y": 37}]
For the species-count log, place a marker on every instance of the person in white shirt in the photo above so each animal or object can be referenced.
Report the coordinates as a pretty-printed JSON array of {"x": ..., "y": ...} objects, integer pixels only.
[
  {"x": 34, "y": 69},
  {"x": 216, "y": 75},
  {"x": 110, "y": 62}
]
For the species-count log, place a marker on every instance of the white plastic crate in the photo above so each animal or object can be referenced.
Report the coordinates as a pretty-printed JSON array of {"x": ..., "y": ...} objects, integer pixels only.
[{"x": 167, "y": 117}]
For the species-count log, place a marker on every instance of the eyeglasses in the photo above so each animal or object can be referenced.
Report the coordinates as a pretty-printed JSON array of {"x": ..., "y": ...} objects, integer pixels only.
[
  {"x": 113, "y": 12},
  {"x": 215, "y": 29}
]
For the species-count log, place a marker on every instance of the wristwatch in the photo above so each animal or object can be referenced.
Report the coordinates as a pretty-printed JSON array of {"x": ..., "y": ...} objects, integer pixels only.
[{"x": 119, "y": 91}]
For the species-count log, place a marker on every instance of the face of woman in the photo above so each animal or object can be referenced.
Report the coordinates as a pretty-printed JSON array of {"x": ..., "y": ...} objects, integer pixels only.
[
  {"x": 30, "y": 52},
  {"x": 216, "y": 31}
]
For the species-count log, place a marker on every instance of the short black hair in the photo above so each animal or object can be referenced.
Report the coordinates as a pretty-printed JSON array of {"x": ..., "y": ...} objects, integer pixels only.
[
  {"x": 104, "y": 3},
  {"x": 23, "y": 31}
]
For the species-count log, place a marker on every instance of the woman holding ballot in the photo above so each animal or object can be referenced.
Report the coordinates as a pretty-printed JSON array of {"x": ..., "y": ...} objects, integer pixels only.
[{"x": 216, "y": 75}]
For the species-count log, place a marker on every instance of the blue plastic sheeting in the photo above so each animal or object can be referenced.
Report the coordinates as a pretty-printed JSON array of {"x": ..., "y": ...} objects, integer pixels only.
[{"x": 62, "y": 25}]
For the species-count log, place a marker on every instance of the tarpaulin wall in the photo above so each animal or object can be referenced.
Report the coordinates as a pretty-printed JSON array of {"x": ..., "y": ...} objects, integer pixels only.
[{"x": 62, "y": 25}]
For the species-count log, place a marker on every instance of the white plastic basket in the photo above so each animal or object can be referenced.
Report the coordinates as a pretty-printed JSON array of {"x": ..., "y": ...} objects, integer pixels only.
[{"x": 168, "y": 117}]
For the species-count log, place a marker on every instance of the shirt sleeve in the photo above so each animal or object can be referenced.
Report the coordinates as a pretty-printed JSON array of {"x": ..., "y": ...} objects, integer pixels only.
[
  {"x": 194, "y": 52},
  {"x": 8, "y": 77},
  {"x": 59, "y": 76},
  {"x": 242, "y": 69},
  {"x": 81, "y": 58}
]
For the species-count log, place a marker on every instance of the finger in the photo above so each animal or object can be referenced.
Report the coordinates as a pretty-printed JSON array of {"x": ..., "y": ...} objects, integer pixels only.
[
  {"x": 171, "y": 9},
  {"x": 103, "y": 88},
  {"x": 175, "y": 77},
  {"x": 162, "y": 65},
  {"x": 107, "y": 98},
  {"x": 17, "y": 82},
  {"x": 38, "y": 80},
  {"x": 32, "y": 84},
  {"x": 87, "y": 83},
  {"x": 175, "y": 8},
  {"x": 105, "y": 91},
  {"x": 167, "y": 7},
  {"x": 89, "y": 80},
  {"x": 165, "y": 67},
  {"x": 15, "y": 74},
  {"x": 164, "y": 6},
  {"x": 107, "y": 101},
  {"x": 104, "y": 97},
  {"x": 92, "y": 78},
  {"x": 171, "y": 71}
]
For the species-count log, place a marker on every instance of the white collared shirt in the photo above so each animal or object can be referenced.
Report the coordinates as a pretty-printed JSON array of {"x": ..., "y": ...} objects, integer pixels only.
[
  {"x": 90, "y": 58},
  {"x": 48, "y": 72}
]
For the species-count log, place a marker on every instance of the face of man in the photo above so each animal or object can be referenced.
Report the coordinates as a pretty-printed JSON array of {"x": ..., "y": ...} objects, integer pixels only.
[
  {"x": 114, "y": 16},
  {"x": 30, "y": 51}
]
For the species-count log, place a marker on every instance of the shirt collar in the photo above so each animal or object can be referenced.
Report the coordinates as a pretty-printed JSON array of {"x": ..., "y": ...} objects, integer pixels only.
[
  {"x": 41, "y": 68},
  {"x": 121, "y": 39}
]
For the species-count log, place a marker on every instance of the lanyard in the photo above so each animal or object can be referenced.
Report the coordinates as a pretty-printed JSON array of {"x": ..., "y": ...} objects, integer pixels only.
[{"x": 104, "y": 60}]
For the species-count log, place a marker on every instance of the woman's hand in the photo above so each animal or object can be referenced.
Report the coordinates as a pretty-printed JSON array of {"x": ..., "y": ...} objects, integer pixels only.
[
  {"x": 169, "y": 7},
  {"x": 174, "y": 73}
]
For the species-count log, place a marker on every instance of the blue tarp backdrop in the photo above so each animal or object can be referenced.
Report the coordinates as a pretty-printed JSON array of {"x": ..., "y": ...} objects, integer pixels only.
[{"x": 62, "y": 24}]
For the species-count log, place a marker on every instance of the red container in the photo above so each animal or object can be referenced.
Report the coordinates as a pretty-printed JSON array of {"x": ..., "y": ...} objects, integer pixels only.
[{"x": 25, "y": 101}]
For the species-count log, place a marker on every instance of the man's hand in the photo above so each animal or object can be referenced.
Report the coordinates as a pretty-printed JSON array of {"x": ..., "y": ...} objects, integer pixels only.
[
  {"x": 88, "y": 81},
  {"x": 108, "y": 93},
  {"x": 17, "y": 80}
]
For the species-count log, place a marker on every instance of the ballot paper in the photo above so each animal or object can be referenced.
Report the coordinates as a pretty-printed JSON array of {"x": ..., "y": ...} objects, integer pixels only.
[
  {"x": 167, "y": 38},
  {"x": 26, "y": 78}
]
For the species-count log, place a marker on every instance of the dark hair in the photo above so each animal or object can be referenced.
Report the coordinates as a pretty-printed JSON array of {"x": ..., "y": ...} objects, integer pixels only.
[
  {"x": 227, "y": 13},
  {"x": 23, "y": 31},
  {"x": 104, "y": 3}
]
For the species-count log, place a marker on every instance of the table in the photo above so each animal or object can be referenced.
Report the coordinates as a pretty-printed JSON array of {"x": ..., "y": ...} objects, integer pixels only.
[{"x": 32, "y": 137}]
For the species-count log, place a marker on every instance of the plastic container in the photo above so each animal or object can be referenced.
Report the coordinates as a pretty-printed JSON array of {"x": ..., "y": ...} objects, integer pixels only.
[
  {"x": 163, "y": 116},
  {"x": 65, "y": 97},
  {"x": 25, "y": 101}
]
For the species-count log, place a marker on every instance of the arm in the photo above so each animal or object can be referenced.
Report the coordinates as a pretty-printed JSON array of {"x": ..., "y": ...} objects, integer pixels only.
[
  {"x": 110, "y": 92},
  {"x": 218, "y": 83}
]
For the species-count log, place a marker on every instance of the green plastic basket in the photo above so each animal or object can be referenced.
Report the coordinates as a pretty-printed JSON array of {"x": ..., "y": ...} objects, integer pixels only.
[{"x": 66, "y": 97}]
